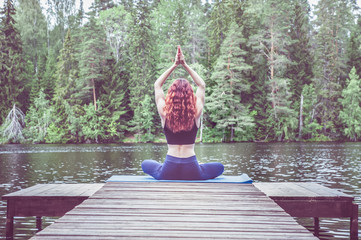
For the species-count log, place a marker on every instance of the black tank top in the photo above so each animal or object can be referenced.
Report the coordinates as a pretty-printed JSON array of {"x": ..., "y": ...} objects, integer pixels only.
[{"x": 182, "y": 137}]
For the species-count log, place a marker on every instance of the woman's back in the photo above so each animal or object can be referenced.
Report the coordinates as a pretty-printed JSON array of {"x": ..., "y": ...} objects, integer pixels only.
[{"x": 180, "y": 115}]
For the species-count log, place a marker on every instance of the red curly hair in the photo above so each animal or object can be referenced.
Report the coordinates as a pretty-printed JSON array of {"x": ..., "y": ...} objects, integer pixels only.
[{"x": 180, "y": 106}]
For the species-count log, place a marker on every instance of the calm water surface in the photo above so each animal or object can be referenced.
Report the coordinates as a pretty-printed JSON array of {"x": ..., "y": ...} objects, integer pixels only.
[{"x": 335, "y": 165}]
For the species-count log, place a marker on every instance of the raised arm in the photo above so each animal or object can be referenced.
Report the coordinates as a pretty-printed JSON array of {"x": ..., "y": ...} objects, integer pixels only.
[
  {"x": 201, "y": 90},
  {"x": 158, "y": 91}
]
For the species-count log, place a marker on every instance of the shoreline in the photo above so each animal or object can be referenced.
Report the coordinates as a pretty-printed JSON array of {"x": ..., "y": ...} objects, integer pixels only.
[{"x": 197, "y": 142}]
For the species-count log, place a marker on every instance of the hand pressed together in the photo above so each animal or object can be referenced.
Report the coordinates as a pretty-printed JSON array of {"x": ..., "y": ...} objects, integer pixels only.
[{"x": 179, "y": 59}]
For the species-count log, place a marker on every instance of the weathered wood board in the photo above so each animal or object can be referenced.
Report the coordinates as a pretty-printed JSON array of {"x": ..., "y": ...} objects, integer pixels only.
[{"x": 167, "y": 210}]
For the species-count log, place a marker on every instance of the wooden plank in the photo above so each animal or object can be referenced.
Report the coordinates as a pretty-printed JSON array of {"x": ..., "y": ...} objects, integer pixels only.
[
  {"x": 176, "y": 226},
  {"x": 193, "y": 217},
  {"x": 28, "y": 191},
  {"x": 244, "y": 237},
  {"x": 300, "y": 190},
  {"x": 304, "y": 199},
  {"x": 171, "y": 233},
  {"x": 44, "y": 207},
  {"x": 312, "y": 208},
  {"x": 45, "y": 200},
  {"x": 55, "y": 190},
  {"x": 164, "y": 210}
]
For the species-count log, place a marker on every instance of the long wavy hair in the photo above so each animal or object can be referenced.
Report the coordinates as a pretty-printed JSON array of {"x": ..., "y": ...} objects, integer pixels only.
[{"x": 180, "y": 106}]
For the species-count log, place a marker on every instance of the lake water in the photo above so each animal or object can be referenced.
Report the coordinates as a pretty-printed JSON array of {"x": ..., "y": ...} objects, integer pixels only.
[{"x": 335, "y": 165}]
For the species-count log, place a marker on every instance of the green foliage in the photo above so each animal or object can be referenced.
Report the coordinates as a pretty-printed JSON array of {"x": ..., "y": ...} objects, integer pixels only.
[
  {"x": 37, "y": 119},
  {"x": 272, "y": 43},
  {"x": 350, "y": 114},
  {"x": 225, "y": 107},
  {"x": 222, "y": 14},
  {"x": 143, "y": 120},
  {"x": 55, "y": 134},
  {"x": 142, "y": 74},
  {"x": 333, "y": 22},
  {"x": 311, "y": 128},
  {"x": 271, "y": 73},
  {"x": 93, "y": 55},
  {"x": 11, "y": 62},
  {"x": 32, "y": 27},
  {"x": 116, "y": 23},
  {"x": 93, "y": 123},
  {"x": 115, "y": 98},
  {"x": 66, "y": 75},
  {"x": 354, "y": 47}
]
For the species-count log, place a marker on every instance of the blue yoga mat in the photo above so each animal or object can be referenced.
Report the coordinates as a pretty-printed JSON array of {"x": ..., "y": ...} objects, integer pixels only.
[{"x": 244, "y": 178}]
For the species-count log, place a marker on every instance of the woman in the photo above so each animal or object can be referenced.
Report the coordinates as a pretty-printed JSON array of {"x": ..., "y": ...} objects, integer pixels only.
[{"x": 180, "y": 112}]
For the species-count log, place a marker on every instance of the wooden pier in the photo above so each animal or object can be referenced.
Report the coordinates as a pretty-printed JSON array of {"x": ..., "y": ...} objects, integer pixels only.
[
  {"x": 45, "y": 200},
  {"x": 307, "y": 199},
  {"x": 168, "y": 210}
]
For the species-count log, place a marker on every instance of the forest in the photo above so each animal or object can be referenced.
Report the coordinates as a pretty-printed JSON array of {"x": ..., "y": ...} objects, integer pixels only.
[{"x": 275, "y": 70}]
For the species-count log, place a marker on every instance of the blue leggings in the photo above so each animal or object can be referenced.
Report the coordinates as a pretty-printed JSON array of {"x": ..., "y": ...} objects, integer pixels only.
[{"x": 175, "y": 168}]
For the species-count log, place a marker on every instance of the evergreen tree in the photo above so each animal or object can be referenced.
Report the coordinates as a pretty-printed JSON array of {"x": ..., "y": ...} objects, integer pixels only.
[
  {"x": 93, "y": 123},
  {"x": 65, "y": 102},
  {"x": 300, "y": 71},
  {"x": 32, "y": 27},
  {"x": 12, "y": 66},
  {"x": 93, "y": 57},
  {"x": 310, "y": 128},
  {"x": 350, "y": 114},
  {"x": 225, "y": 103},
  {"x": 115, "y": 99},
  {"x": 60, "y": 13},
  {"x": 222, "y": 14},
  {"x": 116, "y": 23},
  {"x": 168, "y": 21},
  {"x": 354, "y": 49},
  {"x": 197, "y": 43},
  {"x": 37, "y": 119},
  {"x": 251, "y": 21},
  {"x": 272, "y": 42},
  {"x": 144, "y": 120},
  {"x": 47, "y": 82},
  {"x": 142, "y": 69},
  {"x": 332, "y": 22}
]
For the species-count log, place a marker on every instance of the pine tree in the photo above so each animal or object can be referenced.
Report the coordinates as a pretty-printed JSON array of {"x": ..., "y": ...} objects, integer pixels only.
[
  {"x": 300, "y": 71},
  {"x": 225, "y": 105},
  {"x": 222, "y": 15},
  {"x": 116, "y": 23},
  {"x": 272, "y": 42},
  {"x": 142, "y": 69},
  {"x": 32, "y": 26},
  {"x": 350, "y": 114},
  {"x": 249, "y": 17},
  {"x": 93, "y": 123},
  {"x": 93, "y": 55},
  {"x": 12, "y": 66},
  {"x": 197, "y": 39},
  {"x": 168, "y": 22},
  {"x": 38, "y": 119},
  {"x": 115, "y": 99},
  {"x": 310, "y": 128},
  {"x": 354, "y": 50},
  {"x": 332, "y": 22},
  {"x": 47, "y": 82},
  {"x": 144, "y": 116},
  {"x": 65, "y": 102}
]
